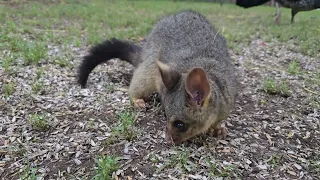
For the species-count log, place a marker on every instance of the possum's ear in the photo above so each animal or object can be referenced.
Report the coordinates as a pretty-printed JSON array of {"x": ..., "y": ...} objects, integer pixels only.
[
  {"x": 198, "y": 88},
  {"x": 170, "y": 77}
]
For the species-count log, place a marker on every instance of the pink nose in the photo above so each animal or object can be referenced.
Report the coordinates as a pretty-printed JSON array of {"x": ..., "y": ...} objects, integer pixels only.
[{"x": 172, "y": 139}]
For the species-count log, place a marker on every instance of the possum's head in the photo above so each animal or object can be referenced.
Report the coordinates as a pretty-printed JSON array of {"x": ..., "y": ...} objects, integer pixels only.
[{"x": 187, "y": 102}]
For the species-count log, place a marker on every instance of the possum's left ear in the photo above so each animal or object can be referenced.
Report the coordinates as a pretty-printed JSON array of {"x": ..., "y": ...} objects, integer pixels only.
[{"x": 170, "y": 77}]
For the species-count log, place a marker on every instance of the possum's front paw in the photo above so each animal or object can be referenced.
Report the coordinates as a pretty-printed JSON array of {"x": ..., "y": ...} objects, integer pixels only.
[
  {"x": 218, "y": 132},
  {"x": 139, "y": 103}
]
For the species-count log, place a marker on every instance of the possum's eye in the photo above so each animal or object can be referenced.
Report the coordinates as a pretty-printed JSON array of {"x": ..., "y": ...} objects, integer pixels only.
[{"x": 181, "y": 126}]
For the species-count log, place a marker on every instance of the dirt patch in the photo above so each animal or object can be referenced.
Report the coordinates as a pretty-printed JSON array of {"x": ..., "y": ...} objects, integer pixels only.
[{"x": 269, "y": 136}]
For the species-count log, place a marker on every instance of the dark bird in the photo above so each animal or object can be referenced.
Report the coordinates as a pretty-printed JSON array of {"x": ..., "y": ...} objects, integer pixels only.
[{"x": 295, "y": 5}]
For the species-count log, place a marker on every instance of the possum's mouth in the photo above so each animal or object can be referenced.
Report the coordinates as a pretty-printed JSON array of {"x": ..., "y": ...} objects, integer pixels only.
[
  {"x": 168, "y": 136},
  {"x": 172, "y": 139}
]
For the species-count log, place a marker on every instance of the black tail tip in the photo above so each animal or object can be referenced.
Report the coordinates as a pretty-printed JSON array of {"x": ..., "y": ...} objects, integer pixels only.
[
  {"x": 81, "y": 83},
  {"x": 81, "y": 77}
]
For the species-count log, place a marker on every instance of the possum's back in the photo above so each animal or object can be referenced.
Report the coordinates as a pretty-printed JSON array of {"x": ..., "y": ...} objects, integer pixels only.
[{"x": 185, "y": 36}]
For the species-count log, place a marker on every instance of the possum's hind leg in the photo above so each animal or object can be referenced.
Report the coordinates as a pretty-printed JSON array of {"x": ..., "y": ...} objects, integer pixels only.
[{"x": 142, "y": 84}]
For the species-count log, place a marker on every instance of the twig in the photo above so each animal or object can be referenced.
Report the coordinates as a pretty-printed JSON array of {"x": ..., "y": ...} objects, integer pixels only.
[
  {"x": 122, "y": 89},
  {"x": 311, "y": 91},
  {"x": 216, "y": 35}
]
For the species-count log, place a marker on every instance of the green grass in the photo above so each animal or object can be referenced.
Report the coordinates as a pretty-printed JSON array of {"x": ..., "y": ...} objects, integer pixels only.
[
  {"x": 109, "y": 87},
  {"x": 270, "y": 86},
  {"x": 124, "y": 128},
  {"x": 284, "y": 89},
  {"x": 227, "y": 171},
  {"x": 274, "y": 161},
  {"x": 18, "y": 150},
  {"x": 314, "y": 165},
  {"x": 39, "y": 73},
  {"x": 314, "y": 102},
  {"x": 91, "y": 123},
  {"x": 33, "y": 53},
  {"x": 178, "y": 158},
  {"x": 105, "y": 166},
  {"x": 28, "y": 172},
  {"x": 29, "y": 27},
  {"x": 294, "y": 68},
  {"x": 6, "y": 63},
  {"x": 8, "y": 88},
  {"x": 213, "y": 168},
  {"x": 63, "y": 62},
  {"x": 126, "y": 119},
  {"x": 39, "y": 121},
  {"x": 37, "y": 86}
]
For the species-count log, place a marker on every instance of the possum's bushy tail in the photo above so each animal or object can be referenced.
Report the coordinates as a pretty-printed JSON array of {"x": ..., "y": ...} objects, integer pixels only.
[{"x": 110, "y": 49}]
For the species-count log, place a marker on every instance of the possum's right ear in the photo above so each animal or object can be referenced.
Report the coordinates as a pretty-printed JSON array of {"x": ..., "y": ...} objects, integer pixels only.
[
  {"x": 198, "y": 88},
  {"x": 170, "y": 77}
]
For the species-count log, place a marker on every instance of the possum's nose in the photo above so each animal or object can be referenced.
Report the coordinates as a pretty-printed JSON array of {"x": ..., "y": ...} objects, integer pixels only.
[
  {"x": 168, "y": 136},
  {"x": 172, "y": 139}
]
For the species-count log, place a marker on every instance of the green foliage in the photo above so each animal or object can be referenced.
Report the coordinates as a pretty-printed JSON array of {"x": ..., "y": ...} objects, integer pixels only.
[
  {"x": 34, "y": 52},
  {"x": 294, "y": 68},
  {"x": 92, "y": 22},
  {"x": 28, "y": 172},
  {"x": 270, "y": 86},
  {"x": 124, "y": 128},
  {"x": 8, "y": 88},
  {"x": 105, "y": 166},
  {"x": 37, "y": 86},
  {"x": 284, "y": 89},
  {"x": 125, "y": 125},
  {"x": 126, "y": 118},
  {"x": 7, "y": 64},
  {"x": 39, "y": 121}
]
